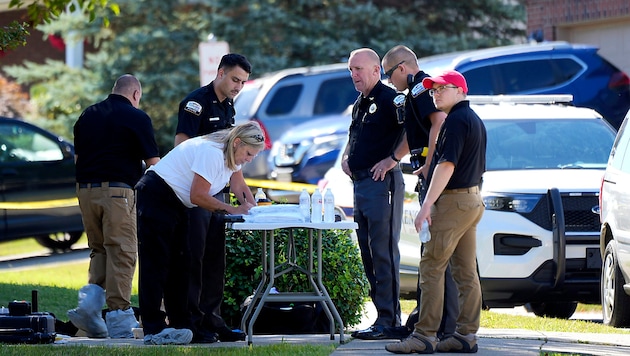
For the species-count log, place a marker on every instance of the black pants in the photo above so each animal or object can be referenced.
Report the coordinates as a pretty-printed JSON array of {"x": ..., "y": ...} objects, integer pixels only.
[
  {"x": 162, "y": 255},
  {"x": 206, "y": 237},
  {"x": 378, "y": 213}
]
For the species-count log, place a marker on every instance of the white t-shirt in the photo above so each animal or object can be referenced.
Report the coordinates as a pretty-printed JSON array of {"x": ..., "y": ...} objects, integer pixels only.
[{"x": 196, "y": 155}]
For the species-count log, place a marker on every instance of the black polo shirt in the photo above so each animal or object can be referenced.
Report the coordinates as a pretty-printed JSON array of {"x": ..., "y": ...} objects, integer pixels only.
[
  {"x": 111, "y": 138},
  {"x": 462, "y": 141},
  {"x": 418, "y": 106},
  {"x": 374, "y": 131},
  {"x": 201, "y": 112}
]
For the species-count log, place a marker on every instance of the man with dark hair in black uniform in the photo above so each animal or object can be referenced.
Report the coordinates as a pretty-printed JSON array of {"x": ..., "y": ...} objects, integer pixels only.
[
  {"x": 374, "y": 134},
  {"x": 206, "y": 110},
  {"x": 422, "y": 125}
]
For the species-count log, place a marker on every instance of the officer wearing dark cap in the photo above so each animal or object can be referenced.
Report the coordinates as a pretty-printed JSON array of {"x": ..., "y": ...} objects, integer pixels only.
[
  {"x": 375, "y": 132},
  {"x": 206, "y": 110},
  {"x": 422, "y": 125}
]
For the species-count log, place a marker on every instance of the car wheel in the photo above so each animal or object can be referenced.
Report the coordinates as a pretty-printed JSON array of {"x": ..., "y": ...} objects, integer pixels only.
[
  {"x": 615, "y": 302},
  {"x": 560, "y": 310},
  {"x": 59, "y": 240}
]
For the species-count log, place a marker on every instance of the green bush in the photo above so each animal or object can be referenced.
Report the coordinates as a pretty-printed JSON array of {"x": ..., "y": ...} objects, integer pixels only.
[{"x": 342, "y": 274}]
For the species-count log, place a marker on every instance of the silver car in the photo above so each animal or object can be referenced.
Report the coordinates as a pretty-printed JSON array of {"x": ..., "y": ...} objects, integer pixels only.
[{"x": 615, "y": 231}]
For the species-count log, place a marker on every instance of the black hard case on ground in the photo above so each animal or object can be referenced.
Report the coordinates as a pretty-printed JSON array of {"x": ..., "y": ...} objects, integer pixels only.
[
  {"x": 24, "y": 324},
  {"x": 37, "y": 328}
]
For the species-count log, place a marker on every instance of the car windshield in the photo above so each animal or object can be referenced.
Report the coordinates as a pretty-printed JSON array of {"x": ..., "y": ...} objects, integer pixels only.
[
  {"x": 244, "y": 102},
  {"x": 547, "y": 144}
]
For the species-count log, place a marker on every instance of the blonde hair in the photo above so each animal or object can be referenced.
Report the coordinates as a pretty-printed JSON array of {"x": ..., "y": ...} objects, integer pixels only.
[{"x": 250, "y": 134}]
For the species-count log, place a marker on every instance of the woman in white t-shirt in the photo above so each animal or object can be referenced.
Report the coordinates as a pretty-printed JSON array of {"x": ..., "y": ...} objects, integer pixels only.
[{"x": 188, "y": 176}]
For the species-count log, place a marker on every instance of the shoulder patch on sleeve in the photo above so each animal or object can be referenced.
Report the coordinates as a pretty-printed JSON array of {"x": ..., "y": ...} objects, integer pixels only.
[
  {"x": 399, "y": 100},
  {"x": 193, "y": 107},
  {"x": 417, "y": 90}
]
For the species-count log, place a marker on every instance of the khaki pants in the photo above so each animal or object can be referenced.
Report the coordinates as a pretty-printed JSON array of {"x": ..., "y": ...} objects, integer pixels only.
[
  {"x": 454, "y": 219},
  {"x": 109, "y": 218}
]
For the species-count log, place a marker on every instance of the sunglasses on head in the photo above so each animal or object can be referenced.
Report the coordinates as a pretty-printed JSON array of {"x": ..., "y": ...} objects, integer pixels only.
[{"x": 258, "y": 138}]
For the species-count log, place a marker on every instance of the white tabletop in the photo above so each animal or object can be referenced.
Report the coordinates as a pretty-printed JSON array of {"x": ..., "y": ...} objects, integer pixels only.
[{"x": 340, "y": 225}]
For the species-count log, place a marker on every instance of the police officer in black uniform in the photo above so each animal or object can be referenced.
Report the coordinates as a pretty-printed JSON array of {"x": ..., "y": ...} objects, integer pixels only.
[
  {"x": 203, "y": 111},
  {"x": 374, "y": 134},
  {"x": 422, "y": 125}
]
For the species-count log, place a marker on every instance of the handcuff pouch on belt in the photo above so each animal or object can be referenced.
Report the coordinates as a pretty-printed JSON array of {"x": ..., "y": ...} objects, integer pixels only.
[{"x": 418, "y": 157}]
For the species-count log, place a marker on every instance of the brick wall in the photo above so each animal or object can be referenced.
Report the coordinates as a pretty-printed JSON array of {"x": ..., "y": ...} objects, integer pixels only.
[{"x": 545, "y": 15}]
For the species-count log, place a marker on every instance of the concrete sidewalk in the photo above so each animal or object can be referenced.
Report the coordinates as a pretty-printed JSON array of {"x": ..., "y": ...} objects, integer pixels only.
[{"x": 491, "y": 342}]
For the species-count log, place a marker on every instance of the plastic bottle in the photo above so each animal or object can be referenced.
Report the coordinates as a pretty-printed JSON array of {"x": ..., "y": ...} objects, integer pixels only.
[
  {"x": 329, "y": 206},
  {"x": 305, "y": 205},
  {"x": 316, "y": 206},
  {"x": 425, "y": 235},
  {"x": 260, "y": 195}
]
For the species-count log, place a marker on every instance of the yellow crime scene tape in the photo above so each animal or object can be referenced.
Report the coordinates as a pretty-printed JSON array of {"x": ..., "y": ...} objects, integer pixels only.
[
  {"x": 274, "y": 184},
  {"x": 70, "y": 202},
  {"x": 43, "y": 204}
]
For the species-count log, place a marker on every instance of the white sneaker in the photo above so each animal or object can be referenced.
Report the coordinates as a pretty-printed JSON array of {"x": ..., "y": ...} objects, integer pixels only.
[
  {"x": 169, "y": 336},
  {"x": 120, "y": 323}
]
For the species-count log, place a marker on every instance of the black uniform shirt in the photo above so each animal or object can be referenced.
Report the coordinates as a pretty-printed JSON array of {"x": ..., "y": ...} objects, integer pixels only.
[
  {"x": 418, "y": 106},
  {"x": 462, "y": 141},
  {"x": 111, "y": 138},
  {"x": 374, "y": 131},
  {"x": 201, "y": 113}
]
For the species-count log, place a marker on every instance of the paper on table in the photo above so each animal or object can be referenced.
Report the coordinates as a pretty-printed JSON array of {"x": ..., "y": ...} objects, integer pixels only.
[{"x": 274, "y": 213}]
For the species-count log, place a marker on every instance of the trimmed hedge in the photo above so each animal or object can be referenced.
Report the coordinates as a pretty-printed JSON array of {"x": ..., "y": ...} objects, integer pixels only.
[{"x": 342, "y": 275}]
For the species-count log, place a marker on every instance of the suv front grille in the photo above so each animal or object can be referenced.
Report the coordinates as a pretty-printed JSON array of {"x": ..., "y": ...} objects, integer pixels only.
[{"x": 578, "y": 213}]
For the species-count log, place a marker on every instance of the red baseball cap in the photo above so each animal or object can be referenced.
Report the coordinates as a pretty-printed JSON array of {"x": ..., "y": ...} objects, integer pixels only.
[{"x": 448, "y": 77}]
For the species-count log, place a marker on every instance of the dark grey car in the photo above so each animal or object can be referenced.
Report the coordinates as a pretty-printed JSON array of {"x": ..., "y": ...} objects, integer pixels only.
[
  {"x": 281, "y": 100},
  {"x": 37, "y": 186}
]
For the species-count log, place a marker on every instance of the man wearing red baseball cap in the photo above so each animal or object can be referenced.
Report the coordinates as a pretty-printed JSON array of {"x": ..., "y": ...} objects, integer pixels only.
[{"x": 453, "y": 208}]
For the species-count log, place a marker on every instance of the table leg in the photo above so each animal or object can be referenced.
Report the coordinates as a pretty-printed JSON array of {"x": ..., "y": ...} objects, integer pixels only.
[
  {"x": 271, "y": 281},
  {"x": 323, "y": 290}
]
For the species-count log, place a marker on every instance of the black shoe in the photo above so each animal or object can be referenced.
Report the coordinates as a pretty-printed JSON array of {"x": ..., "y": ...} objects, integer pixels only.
[
  {"x": 226, "y": 334},
  {"x": 374, "y": 332},
  {"x": 204, "y": 337}
]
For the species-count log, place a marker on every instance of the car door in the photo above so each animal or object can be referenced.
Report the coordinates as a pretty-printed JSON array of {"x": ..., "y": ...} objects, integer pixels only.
[{"x": 37, "y": 182}]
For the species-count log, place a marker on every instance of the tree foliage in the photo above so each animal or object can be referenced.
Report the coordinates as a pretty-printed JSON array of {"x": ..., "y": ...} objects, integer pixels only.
[
  {"x": 158, "y": 42},
  {"x": 43, "y": 11}
]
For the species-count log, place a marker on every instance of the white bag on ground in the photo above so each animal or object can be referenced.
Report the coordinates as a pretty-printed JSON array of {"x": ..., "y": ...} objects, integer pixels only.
[{"x": 88, "y": 315}]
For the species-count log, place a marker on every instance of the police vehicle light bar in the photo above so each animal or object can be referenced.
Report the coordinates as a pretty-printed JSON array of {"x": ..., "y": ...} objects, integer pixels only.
[{"x": 521, "y": 99}]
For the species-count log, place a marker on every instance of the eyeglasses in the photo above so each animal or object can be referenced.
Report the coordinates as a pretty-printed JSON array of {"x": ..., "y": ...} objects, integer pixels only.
[
  {"x": 389, "y": 73},
  {"x": 259, "y": 138},
  {"x": 439, "y": 90}
]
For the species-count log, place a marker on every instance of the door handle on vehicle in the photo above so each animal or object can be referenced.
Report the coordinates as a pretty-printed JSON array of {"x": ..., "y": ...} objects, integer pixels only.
[{"x": 558, "y": 230}]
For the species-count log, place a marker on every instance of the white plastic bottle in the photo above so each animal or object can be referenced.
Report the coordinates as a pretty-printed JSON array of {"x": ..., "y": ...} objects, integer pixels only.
[
  {"x": 329, "y": 206},
  {"x": 425, "y": 235},
  {"x": 316, "y": 206},
  {"x": 260, "y": 195},
  {"x": 305, "y": 205}
]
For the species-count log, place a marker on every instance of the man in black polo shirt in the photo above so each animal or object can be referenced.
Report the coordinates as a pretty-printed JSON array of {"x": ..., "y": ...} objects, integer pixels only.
[
  {"x": 422, "y": 125},
  {"x": 206, "y": 110},
  {"x": 374, "y": 134},
  {"x": 453, "y": 207},
  {"x": 111, "y": 139}
]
